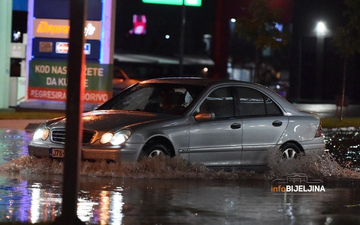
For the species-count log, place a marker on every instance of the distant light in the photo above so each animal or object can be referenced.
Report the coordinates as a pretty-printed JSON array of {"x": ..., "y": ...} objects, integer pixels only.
[
  {"x": 321, "y": 28},
  {"x": 205, "y": 70},
  {"x": 233, "y": 20},
  {"x": 167, "y": 36},
  {"x": 16, "y": 35},
  {"x": 279, "y": 26},
  {"x": 139, "y": 25}
]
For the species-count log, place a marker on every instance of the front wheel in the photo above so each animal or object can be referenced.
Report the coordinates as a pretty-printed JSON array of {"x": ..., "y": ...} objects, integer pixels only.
[
  {"x": 153, "y": 150},
  {"x": 290, "y": 151}
]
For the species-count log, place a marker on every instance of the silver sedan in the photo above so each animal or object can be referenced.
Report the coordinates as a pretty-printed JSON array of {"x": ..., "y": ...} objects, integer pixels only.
[{"x": 213, "y": 122}]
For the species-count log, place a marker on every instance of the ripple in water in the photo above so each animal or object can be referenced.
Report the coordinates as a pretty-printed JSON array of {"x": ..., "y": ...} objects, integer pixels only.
[{"x": 313, "y": 165}]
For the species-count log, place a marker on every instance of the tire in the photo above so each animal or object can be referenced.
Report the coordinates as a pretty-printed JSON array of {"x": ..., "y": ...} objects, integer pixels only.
[
  {"x": 290, "y": 151},
  {"x": 153, "y": 150}
]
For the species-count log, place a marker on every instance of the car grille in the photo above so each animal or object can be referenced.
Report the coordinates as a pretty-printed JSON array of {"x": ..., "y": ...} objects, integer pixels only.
[{"x": 58, "y": 136}]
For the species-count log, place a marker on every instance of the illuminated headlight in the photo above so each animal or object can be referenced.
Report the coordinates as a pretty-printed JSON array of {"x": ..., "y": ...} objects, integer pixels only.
[
  {"x": 41, "y": 133},
  {"x": 106, "y": 138},
  {"x": 115, "y": 139}
]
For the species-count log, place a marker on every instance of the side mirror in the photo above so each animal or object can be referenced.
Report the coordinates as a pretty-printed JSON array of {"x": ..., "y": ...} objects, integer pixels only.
[{"x": 201, "y": 117}]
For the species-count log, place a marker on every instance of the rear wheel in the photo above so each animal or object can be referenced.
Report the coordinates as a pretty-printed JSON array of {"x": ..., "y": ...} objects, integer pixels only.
[
  {"x": 154, "y": 149},
  {"x": 290, "y": 151}
]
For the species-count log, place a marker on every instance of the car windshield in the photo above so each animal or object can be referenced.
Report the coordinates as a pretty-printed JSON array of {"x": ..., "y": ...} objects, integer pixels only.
[{"x": 155, "y": 97}]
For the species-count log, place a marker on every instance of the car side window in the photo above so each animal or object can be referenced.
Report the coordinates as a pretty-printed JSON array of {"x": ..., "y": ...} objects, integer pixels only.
[
  {"x": 254, "y": 103},
  {"x": 220, "y": 102},
  {"x": 271, "y": 107}
]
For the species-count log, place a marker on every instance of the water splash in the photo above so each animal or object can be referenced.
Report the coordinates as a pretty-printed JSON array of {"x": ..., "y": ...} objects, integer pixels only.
[
  {"x": 343, "y": 144},
  {"x": 13, "y": 144},
  {"x": 313, "y": 165},
  {"x": 158, "y": 167}
]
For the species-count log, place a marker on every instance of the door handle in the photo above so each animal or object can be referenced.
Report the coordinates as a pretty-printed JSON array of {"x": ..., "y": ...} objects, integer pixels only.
[
  {"x": 277, "y": 123},
  {"x": 235, "y": 126}
]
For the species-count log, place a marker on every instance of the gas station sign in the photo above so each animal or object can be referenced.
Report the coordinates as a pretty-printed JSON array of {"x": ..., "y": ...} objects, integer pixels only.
[
  {"x": 48, "y": 81},
  {"x": 55, "y": 48},
  {"x": 48, "y": 47},
  {"x": 52, "y": 28}
]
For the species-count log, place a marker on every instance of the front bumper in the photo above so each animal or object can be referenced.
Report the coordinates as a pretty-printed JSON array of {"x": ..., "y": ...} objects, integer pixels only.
[{"x": 130, "y": 152}]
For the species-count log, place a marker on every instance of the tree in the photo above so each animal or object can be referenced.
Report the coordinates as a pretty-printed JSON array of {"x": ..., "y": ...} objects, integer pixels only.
[
  {"x": 347, "y": 40},
  {"x": 259, "y": 28}
]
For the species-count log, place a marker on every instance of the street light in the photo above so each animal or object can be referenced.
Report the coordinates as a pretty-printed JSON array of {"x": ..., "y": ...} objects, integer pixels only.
[{"x": 321, "y": 29}]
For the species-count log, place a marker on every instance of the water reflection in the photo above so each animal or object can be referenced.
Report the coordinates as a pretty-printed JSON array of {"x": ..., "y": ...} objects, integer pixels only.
[
  {"x": 104, "y": 200},
  {"x": 37, "y": 198},
  {"x": 13, "y": 195}
]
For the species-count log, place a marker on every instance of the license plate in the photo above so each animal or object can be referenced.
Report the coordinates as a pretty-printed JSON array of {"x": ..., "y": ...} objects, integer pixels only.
[{"x": 57, "y": 153}]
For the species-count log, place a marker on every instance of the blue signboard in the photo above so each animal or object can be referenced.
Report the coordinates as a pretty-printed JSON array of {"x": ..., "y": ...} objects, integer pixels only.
[
  {"x": 20, "y": 5},
  {"x": 60, "y": 9}
]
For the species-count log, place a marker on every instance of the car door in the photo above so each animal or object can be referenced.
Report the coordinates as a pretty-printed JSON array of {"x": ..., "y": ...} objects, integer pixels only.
[
  {"x": 263, "y": 124},
  {"x": 217, "y": 141}
]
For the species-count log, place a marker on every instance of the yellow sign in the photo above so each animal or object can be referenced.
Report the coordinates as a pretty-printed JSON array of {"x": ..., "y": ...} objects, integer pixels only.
[{"x": 52, "y": 28}]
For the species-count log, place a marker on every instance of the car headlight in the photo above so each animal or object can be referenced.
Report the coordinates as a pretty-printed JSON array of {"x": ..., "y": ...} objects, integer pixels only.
[
  {"x": 41, "y": 133},
  {"x": 106, "y": 138},
  {"x": 115, "y": 139}
]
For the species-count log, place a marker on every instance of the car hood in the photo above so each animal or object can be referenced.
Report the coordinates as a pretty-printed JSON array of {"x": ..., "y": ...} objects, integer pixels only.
[{"x": 112, "y": 120}]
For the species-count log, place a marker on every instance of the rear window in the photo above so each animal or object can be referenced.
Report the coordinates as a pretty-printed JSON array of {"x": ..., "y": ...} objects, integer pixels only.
[{"x": 254, "y": 103}]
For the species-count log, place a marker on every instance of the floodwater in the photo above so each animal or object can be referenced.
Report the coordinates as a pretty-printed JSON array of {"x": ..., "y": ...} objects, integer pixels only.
[{"x": 170, "y": 191}]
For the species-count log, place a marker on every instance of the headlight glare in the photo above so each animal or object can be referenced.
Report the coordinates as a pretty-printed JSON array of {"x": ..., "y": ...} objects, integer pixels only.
[
  {"x": 120, "y": 137},
  {"x": 106, "y": 138},
  {"x": 41, "y": 133}
]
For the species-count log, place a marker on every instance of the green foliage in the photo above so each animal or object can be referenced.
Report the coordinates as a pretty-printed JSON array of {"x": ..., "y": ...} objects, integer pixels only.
[
  {"x": 259, "y": 26},
  {"x": 335, "y": 122},
  {"x": 347, "y": 37}
]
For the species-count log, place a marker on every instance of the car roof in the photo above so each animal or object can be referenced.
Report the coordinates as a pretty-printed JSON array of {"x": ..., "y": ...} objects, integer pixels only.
[{"x": 193, "y": 81}]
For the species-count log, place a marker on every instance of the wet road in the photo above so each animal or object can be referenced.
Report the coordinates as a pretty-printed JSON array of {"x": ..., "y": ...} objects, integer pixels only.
[{"x": 189, "y": 195}]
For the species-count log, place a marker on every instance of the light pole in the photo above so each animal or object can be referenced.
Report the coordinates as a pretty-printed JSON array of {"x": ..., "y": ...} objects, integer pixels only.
[
  {"x": 182, "y": 39},
  {"x": 321, "y": 31}
]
